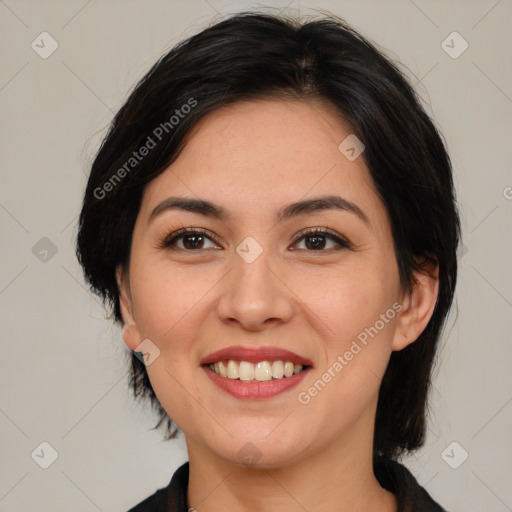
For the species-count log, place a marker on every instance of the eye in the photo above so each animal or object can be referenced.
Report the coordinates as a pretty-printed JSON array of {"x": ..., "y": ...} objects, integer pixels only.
[
  {"x": 187, "y": 239},
  {"x": 315, "y": 240}
]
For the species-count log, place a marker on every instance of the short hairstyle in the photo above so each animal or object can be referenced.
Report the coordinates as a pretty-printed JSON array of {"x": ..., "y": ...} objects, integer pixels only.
[{"x": 251, "y": 56}]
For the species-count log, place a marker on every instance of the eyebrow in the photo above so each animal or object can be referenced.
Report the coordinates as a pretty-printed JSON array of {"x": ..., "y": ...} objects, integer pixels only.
[{"x": 209, "y": 209}]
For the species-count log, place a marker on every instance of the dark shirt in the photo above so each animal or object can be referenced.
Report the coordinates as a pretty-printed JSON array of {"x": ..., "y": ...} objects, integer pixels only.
[{"x": 394, "y": 477}]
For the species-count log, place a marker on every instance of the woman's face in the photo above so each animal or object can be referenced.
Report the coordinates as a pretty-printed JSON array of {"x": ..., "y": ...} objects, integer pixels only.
[{"x": 252, "y": 284}]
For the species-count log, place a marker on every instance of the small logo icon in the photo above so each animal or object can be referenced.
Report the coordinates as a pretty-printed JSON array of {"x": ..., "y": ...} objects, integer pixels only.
[
  {"x": 146, "y": 352},
  {"x": 249, "y": 454},
  {"x": 454, "y": 45},
  {"x": 507, "y": 192},
  {"x": 249, "y": 249},
  {"x": 351, "y": 147},
  {"x": 44, "y": 45},
  {"x": 44, "y": 455},
  {"x": 44, "y": 250},
  {"x": 454, "y": 455}
]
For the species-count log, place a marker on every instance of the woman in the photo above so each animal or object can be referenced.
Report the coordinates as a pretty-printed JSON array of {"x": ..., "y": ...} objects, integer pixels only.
[{"x": 272, "y": 218}]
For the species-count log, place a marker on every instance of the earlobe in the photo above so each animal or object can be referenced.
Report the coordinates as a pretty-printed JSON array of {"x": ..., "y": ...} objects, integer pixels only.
[
  {"x": 418, "y": 307},
  {"x": 130, "y": 334}
]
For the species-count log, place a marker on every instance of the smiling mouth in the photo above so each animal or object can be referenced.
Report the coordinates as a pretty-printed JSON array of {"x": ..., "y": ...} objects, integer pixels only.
[{"x": 262, "y": 371}]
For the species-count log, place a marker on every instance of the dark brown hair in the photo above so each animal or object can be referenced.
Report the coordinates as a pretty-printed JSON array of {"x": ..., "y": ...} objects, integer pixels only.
[{"x": 253, "y": 55}]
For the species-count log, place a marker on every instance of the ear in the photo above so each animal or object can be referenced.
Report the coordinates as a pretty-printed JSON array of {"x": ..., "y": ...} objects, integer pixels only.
[
  {"x": 131, "y": 334},
  {"x": 417, "y": 307}
]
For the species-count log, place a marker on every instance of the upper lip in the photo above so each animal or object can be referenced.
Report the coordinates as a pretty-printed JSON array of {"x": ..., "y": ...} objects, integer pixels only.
[{"x": 255, "y": 355}]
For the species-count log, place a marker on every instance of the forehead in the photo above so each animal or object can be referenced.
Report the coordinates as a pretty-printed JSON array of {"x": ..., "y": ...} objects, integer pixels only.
[
  {"x": 282, "y": 134},
  {"x": 261, "y": 154}
]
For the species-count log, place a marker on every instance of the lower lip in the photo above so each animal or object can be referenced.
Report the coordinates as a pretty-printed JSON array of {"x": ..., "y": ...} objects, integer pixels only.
[{"x": 255, "y": 390}]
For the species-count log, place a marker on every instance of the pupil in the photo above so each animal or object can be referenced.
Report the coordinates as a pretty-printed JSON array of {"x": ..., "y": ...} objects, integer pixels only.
[
  {"x": 197, "y": 238},
  {"x": 317, "y": 241}
]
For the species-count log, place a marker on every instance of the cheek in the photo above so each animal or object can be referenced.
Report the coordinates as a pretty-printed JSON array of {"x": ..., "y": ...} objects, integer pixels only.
[
  {"x": 167, "y": 302},
  {"x": 349, "y": 300},
  {"x": 170, "y": 306},
  {"x": 356, "y": 312},
  {"x": 360, "y": 318}
]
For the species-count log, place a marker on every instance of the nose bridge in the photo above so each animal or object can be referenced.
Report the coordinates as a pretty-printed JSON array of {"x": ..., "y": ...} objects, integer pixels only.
[{"x": 253, "y": 293}]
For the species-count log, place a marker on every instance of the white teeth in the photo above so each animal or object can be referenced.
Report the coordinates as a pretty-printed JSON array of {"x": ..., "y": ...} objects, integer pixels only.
[
  {"x": 277, "y": 369},
  {"x": 223, "y": 371},
  {"x": 261, "y": 372},
  {"x": 288, "y": 369},
  {"x": 232, "y": 370},
  {"x": 246, "y": 370}
]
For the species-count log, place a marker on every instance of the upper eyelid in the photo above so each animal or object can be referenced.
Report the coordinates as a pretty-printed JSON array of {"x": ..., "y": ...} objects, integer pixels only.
[
  {"x": 322, "y": 230},
  {"x": 181, "y": 232}
]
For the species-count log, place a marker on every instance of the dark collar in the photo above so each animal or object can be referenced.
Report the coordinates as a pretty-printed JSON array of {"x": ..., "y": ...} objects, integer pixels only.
[
  {"x": 396, "y": 478},
  {"x": 391, "y": 475}
]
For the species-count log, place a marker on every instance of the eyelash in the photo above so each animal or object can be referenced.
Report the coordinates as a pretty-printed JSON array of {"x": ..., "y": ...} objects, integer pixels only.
[{"x": 325, "y": 232}]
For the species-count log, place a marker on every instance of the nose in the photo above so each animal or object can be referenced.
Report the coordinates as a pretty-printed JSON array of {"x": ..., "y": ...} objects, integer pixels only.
[{"x": 255, "y": 295}]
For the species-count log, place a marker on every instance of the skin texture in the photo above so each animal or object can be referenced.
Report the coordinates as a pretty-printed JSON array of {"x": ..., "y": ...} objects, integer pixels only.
[{"x": 253, "y": 158}]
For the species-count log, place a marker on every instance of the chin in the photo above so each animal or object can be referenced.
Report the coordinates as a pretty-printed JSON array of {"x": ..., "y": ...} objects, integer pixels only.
[{"x": 261, "y": 452}]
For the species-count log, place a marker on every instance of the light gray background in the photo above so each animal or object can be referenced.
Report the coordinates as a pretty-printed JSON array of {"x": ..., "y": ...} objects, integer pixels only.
[{"x": 63, "y": 368}]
